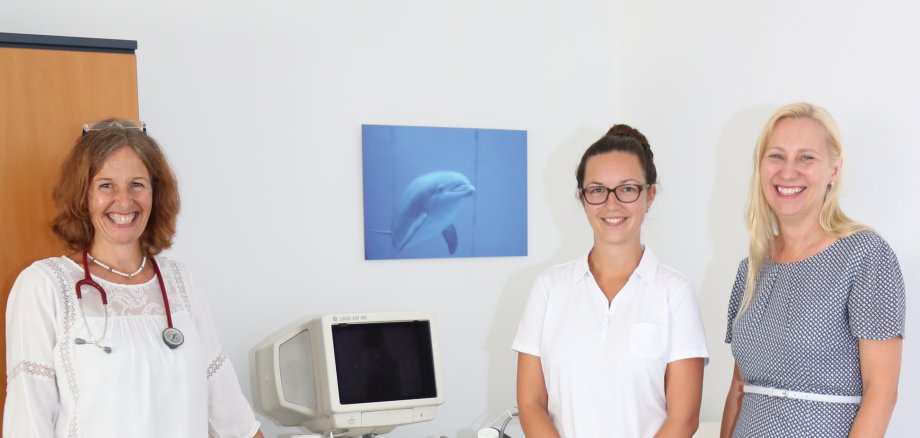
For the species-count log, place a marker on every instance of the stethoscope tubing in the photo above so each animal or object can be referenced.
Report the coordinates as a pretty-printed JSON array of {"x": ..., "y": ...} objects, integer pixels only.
[
  {"x": 88, "y": 281},
  {"x": 156, "y": 270}
]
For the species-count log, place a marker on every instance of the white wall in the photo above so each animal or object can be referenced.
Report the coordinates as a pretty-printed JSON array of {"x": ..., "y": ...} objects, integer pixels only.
[{"x": 259, "y": 105}]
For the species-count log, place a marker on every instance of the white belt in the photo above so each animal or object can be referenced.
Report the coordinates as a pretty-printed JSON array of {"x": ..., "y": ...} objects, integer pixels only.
[{"x": 785, "y": 393}]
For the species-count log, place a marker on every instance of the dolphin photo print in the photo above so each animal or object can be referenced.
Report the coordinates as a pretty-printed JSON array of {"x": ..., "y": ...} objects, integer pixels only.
[{"x": 444, "y": 192}]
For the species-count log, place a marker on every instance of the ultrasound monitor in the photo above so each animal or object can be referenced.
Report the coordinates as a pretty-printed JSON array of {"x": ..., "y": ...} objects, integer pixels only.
[{"x": 350, "y": 374}]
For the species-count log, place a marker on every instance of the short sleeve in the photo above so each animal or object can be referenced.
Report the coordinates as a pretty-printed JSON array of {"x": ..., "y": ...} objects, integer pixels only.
[
  {"x": 229, "y": 413},
  {"x": 31, "y": 393},
  {"x": 530, "y": 329},
  {"x": 734, "y": 303},
  {"x": 876, "y": 303},
  {"x": 687, "y": 336}
]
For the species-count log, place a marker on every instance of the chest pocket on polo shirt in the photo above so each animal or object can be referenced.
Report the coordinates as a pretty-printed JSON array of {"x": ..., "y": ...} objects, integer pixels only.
[{"x": 647, "y": 339}]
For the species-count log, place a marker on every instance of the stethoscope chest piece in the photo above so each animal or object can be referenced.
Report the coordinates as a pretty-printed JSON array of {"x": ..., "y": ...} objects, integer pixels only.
[{"x": 173, "y": 337}]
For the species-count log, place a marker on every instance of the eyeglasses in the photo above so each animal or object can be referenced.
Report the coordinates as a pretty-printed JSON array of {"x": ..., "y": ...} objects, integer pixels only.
[
  {"x": 626, "y": 193},
  {"x": 121, "y": 124}
]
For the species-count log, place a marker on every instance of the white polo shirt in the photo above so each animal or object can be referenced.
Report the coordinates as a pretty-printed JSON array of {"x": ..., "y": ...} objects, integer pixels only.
[{"x": 604, "y": 365}]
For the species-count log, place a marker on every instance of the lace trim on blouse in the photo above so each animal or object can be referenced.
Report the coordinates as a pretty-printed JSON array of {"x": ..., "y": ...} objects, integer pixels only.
[
  {"x": 216, "y": 364},
  {"x": 180, "y": 285},
  {"x": 143, "y": 299},
  {"x": 66, "y": 290},
  {"x": 32, "y": 369}
]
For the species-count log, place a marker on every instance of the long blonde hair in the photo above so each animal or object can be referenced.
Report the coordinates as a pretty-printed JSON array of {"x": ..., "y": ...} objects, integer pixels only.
[{"x": 761, "y": 219}]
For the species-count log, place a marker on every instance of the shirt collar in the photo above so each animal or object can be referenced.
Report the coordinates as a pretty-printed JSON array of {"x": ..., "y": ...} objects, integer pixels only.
[{"x": 648, "y": 266}]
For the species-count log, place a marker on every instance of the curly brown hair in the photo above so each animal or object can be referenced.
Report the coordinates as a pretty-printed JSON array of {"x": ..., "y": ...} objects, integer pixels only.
[{"x": 72, "y": 223}]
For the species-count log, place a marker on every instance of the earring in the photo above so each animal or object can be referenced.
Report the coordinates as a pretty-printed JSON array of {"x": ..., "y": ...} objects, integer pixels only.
[{"x": 647, "y": 209}]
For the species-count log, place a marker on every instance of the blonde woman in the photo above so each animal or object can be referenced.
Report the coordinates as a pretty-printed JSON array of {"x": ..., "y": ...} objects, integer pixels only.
[{"x": 816, "y": 316}]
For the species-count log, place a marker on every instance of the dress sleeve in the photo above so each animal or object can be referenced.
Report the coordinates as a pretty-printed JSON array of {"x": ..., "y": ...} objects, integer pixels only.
[
  {"x": 32, "y": 402},
  {"x": 876, "y": 303},
  {"x": 229, "y": 413},
  {"x": 737, "y": 295},
  {"x": 687, "y": 336},
  {"x": 530, "y": 329}
]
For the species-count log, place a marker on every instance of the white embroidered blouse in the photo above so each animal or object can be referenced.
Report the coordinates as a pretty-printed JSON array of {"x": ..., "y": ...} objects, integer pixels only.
[{"x": 58, "y": 388}]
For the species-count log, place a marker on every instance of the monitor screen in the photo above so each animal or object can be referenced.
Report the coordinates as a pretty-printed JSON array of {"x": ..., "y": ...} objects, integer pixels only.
[
  {"x": 350, "y": 374},
  {"x": 384, "y": 361}
]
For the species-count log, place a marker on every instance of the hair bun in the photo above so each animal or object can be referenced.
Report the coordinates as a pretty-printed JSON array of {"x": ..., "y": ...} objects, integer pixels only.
[
  {"x": 628, "y": 131},
  {"x": 621, "y": 138}
]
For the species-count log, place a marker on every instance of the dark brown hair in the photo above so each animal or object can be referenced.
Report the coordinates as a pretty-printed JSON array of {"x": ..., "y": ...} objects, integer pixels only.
[
  {"x": 72, "y": 223},
  {"x": 623, "y": 138}
]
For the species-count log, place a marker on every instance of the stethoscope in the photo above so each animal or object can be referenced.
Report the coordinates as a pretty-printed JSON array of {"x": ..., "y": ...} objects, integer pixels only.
[{"x": 172, "y": 337}]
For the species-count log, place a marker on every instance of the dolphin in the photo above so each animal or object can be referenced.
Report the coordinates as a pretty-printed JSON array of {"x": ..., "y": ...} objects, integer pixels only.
[{"x": 429, "y": 206}]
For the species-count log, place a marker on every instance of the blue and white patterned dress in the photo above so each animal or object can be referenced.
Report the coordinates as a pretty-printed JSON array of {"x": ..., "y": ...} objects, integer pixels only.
[{"x": 802, "y": 329}]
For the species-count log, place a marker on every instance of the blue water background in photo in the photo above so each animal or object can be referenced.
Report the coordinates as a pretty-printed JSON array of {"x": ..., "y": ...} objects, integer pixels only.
[{"x": 491, "y": 222}]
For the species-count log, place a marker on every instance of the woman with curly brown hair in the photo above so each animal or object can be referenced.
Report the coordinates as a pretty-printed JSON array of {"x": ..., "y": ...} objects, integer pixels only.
[{"x": 115, "y": 339}]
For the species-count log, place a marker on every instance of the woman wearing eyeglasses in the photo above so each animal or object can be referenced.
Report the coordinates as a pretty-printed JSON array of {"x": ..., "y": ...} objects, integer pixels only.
[
  {"x": 612, "y": 344},
  {"x": 816, "y": 316},
  {"x": 113, "y": 339}
]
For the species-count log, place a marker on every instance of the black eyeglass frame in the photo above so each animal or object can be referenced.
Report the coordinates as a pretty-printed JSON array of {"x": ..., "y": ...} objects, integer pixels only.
[{"x": 639, "y": 188}]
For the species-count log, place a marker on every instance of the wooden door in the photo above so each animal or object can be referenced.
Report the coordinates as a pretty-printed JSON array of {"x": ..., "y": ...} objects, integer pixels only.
[{"x": 49, "y": 87}]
